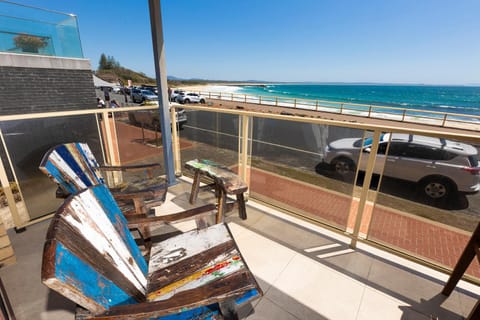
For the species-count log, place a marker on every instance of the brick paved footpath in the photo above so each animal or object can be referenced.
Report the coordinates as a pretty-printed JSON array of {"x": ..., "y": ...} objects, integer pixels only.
[
  {"x": 398, "y": 230},
  {"x": 420, "y": 237}
]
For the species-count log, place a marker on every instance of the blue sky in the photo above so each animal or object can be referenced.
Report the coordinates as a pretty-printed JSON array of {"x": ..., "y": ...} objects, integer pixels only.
[{"x": 394, "y": 41}]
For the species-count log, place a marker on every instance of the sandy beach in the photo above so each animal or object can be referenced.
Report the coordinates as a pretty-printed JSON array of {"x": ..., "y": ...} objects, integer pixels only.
[{"x": 227, "y": 92}]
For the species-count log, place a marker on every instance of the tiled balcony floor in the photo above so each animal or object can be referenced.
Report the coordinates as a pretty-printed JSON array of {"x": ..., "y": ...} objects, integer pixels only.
[{"x": 305, "y": 271}]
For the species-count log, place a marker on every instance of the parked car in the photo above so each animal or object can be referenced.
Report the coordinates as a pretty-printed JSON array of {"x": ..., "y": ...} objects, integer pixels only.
[
  {"x": 142, "y": 95},
  {"x": 150, "y": 87},
  {"x": 440, "y": 167},
  {"x": 189, "y": 97},
  {"x": 151, "y": 118},
  {"x": 174, "y": 94}
]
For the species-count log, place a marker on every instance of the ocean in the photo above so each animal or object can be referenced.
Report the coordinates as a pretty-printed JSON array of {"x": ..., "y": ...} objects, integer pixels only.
[{"x": 451, "y": 99}]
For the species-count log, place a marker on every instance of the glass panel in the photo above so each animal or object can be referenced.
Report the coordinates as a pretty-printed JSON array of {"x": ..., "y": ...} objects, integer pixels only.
[
  {"x": 210, "y": 135},
  {"x": 28, "y": 140},
  {"x": 32, "y": 30},
  {"x": 293, "y": 168},
  {"x": 139, "y": 136},
  {"x": 428, "y": 203},
  {"x": 134, "y": 143}
]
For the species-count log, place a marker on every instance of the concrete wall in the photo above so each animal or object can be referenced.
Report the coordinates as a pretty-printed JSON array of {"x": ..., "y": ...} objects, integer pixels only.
[
  {"x": 32, "y": 84},
  {"x": 35, "y": 84}
]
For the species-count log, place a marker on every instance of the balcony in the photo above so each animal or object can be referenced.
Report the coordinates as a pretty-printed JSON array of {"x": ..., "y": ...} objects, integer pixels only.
[{"x": 324, "y": 246}]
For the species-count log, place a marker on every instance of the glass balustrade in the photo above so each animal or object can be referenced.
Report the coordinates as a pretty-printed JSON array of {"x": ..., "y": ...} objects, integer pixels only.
[
  {"x": 372, "y": 184},
  {"x": 30, "y": 30}
]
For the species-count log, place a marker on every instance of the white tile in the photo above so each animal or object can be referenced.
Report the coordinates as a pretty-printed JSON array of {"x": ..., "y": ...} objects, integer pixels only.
[
  {"x": 265, "y": 258},
  {"x": 377, "y": 305},
  {"x": 168, "y": 207},
  {"x": 322, "y": 289}
]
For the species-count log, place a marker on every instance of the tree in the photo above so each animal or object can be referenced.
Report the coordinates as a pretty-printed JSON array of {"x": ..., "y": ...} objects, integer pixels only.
[
  {"x": 102, "y": 64},
  {"x": 107, "y": 63}
]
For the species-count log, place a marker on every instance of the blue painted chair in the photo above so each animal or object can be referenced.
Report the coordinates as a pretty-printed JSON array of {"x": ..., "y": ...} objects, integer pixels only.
[
  {"x": 74, "y": 167},
  {"x": 91, "y": 258}
]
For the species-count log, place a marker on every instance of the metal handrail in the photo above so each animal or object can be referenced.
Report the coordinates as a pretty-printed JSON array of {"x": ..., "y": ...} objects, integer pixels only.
[{"x": 347, "y": 108}]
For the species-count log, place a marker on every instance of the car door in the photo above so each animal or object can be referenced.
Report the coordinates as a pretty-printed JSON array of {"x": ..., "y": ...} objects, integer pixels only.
[
  {"x": 410, "y": 161},
  {"x": 379, "y": 161}
]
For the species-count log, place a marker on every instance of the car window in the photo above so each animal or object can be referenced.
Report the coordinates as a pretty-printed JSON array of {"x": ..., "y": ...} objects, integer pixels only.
[
  {"x": 382, "y": 147},
  {"x": 411, "y": 150},
  {"x": 473, "y": 161},
  {"x": 398, "y": 149}
]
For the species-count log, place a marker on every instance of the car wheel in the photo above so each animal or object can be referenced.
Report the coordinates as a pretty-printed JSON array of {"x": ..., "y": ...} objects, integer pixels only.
[
  {"x": 202, "y": 101},
  {"x": 343, "y": 165},
  {"x": 437, "y": 187},
  {"x": 186, "y": 101}
]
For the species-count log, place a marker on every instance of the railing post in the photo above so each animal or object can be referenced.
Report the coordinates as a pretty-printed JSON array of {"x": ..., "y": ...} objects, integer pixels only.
[
  {"x": 243, "y": 146},
  {"x": 295, "y": 103},
  {"x": 245, "y": 98},
  {"x": 316, "y": 105},
  {"x": 175, "y": 144},
  {"x": 232, "y": 96},
  {"x": 403, "y": 116},
  {"x": 444, "y": 120},
  {"x": 9, "y": 197},
  {"x": 209, "y": 95},
  {"x": 365, "y": 188},
  {"x": 260, "y": 100},
  {"x": 369, "y": 111},
  {"x": 341, "y": 108}
]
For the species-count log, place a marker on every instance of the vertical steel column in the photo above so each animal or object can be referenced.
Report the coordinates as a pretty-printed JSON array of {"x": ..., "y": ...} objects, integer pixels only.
[{"x": 162, "y": 87}]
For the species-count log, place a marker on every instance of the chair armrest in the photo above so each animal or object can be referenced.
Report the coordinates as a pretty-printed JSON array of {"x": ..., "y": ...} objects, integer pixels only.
[
  {"x": 130, "y": 167},
  {"x": 140, "y": 221}
]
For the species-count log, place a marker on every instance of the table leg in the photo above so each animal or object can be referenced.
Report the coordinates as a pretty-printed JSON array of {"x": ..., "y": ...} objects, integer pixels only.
[
  {"x": 195, "y": 187},
  {"x": 222, "y": 199},
  {"x": 242, "y": 211}
]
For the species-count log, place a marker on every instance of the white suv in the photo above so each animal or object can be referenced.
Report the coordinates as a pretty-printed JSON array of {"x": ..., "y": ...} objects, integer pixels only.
[
  {"x": 189, "y": 97},
  {"x": 440, "y": 167}
]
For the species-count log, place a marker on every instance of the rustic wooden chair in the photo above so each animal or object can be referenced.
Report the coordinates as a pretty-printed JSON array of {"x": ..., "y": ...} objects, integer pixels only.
[
  {"x": 90, "y": 258},
  {"x": 74, "y": 167}
]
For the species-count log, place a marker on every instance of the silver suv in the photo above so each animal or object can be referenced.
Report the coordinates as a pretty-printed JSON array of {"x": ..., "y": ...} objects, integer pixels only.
[
  {"x": 189, "y": 97},
  {"x": 440, "y": 167}
]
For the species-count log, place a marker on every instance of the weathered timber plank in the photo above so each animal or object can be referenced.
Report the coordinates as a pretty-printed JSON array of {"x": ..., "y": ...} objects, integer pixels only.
[
  {"x": 64, "y": 233},
  {"x": 104, "y": 232},
  {"x": 222, "y": 175},
  {"x": 233, "y": 286},
  {"x": 172, "y": 250},
  {"x": 140, "y": 221},
  {"x": 65, "y": 273},
  {"x": 186, "y": 268}
]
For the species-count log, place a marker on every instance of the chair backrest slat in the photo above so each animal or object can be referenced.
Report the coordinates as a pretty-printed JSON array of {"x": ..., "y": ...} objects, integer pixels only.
[
  {"x": 64, "y": 271},
  {"x": 93, "y": 229},
  {"x": 72, "y": 166}
]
